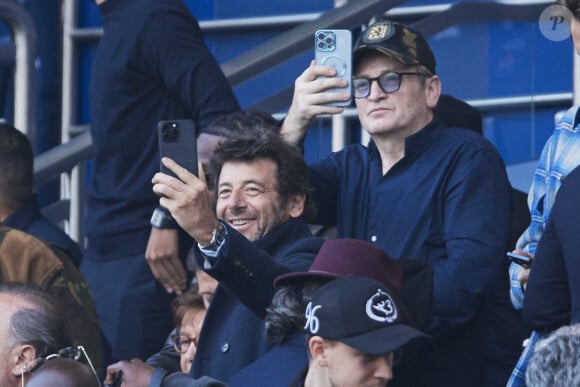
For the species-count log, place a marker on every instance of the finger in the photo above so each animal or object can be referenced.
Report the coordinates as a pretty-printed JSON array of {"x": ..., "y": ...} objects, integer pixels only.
[
  {"x": 201, "y": 173},
  {"x": 159, "y": 272},
  {"x": 182, "y": 173},
  {"x": 176, "y": 274}
]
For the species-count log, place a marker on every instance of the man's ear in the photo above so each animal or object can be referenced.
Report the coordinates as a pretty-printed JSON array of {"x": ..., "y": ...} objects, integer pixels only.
[
  {"x": 22, "y": 358},
  {"x": 318, "y": 350},
  {"x": 295, "y": 205},
  {"x": 433, "y": 91}
]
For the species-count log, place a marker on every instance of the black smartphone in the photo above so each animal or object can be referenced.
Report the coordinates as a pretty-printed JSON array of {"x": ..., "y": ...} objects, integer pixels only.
[
  {"x": 522, "y": 260},
  {"x": 178, "y": 141},
  {"x": 334, "y": 48}
]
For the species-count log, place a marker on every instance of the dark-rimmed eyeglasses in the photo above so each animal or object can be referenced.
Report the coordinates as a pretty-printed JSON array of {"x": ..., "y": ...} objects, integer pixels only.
[
  {"x": 389, "y": 82},
  {"x": 182, "y": 344}
]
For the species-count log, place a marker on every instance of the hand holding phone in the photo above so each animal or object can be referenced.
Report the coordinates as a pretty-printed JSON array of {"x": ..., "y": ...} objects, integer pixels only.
[
  {"x": 522, "y": 260},
  {"x": 333, "y": 48},
  {"x": 178, "y": 141}
]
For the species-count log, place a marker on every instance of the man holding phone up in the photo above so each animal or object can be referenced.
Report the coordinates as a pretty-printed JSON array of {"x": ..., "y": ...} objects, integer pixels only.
[
  {"x": 257, "y": 232},
  {"x": 151, "y": 64},
  {"x": 420, "y": 190}
]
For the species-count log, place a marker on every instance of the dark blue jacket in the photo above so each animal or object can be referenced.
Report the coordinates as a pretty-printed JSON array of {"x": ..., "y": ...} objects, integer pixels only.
[
  {"x": 277, "y": 367},
  {"x": 233, "y": 331},
  {"x": 553, "y": 290}
]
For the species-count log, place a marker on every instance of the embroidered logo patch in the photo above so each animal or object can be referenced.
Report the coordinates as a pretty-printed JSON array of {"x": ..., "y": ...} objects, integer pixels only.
[
  {"x": 378, "y": 32},
  {"x": 312, "y": 322},
  {"x": 380, "y": 307}
]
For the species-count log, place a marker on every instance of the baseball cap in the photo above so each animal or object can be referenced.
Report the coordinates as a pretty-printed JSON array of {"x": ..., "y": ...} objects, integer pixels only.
[
  {"x": 398, "y": 41},
  {"x": 360, "y": 312},
  {"x": 339, "y": 257}
]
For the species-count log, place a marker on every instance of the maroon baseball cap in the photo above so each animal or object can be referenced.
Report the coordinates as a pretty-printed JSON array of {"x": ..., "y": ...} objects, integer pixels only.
[{"x": 339, "y": 257}]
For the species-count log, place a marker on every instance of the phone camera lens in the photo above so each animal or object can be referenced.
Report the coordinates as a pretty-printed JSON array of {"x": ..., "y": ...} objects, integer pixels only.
[{"x": 170, "y": 132}]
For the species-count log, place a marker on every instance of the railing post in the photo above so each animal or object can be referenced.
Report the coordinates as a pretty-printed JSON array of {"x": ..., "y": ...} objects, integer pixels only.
[{"x": 24, "y": 33}]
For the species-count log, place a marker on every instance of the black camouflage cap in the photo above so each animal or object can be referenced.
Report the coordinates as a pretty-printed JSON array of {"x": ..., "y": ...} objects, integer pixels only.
[{"x": 398, "y": 41}]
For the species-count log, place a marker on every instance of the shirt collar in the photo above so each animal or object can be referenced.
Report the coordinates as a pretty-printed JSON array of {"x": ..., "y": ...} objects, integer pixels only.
[
  {"x": 24, "y": 215},
  {"x": 416, "y": 142}
]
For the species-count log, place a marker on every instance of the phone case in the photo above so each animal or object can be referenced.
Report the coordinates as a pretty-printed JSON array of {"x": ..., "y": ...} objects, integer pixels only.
[
  {"x": 519, "y": 259},
  {"x": 334, "y": 48},
  {"x": 178, "y": 141}
]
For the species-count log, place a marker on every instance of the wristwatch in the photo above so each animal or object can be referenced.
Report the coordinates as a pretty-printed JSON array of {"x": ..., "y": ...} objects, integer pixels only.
[
  {"x": 218, "y": 236},
  {"x": 162, "y": 219}
]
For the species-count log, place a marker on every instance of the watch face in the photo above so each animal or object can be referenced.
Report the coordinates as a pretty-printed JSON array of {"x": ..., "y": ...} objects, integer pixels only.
[{"x": 161, "y": 220}]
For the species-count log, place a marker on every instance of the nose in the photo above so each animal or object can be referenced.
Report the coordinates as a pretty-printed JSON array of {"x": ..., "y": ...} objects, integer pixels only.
[
  {"x": 190, "y": 353},
  {"x": 375, "y": 90},
  {"x": 236, "y": 199},
  {"x": 384, "y": 367}
]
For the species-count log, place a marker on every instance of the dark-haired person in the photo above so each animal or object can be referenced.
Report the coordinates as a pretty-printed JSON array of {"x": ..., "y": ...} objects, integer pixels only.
[
  {"x": 285, "y": 318},
  {"x": 18, "y": 204},
  {"x": 354, "y": 327},
  {"x": 420, "y": 190},
  {"x": 151, "y": 64},
  {"x": 32, "y": 326},
  {"x": 257, "y": 232}
]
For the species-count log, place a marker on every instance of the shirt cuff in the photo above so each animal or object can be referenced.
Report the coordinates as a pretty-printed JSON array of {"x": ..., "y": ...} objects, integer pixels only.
[{"x": 210, "y": 255}]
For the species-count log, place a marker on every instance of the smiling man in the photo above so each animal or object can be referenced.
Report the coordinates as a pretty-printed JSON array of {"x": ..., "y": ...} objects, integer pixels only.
[{"x": 260, "y": 232}]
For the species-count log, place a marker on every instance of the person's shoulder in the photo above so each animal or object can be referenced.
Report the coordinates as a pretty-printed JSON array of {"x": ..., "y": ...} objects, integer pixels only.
[
  {"x": 25, "y": 258},
  {"x": 455, "y": 136},
  {"x": 64, "y": 373},
  {"x": 311, "y": 243},
  {"x": 573, "y": 178},
  {"x": 50, "y": 233}
]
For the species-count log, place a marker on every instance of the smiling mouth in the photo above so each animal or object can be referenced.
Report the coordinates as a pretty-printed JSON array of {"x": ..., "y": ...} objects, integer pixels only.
[{"x": 241, "y": 222}]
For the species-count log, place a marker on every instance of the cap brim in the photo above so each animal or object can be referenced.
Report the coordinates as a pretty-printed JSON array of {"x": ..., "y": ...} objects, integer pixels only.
[
  {"x": 384, "y": 340},
  {"x": 295, "y": 277}
]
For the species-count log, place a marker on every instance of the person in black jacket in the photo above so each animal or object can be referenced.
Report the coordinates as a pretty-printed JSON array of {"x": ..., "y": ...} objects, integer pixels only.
[
  {"x": 151, "y": 64},
  {"x": 259, "y": 233}
]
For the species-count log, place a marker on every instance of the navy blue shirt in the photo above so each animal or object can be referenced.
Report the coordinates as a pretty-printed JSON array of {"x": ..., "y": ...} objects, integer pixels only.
[
  {"x": 446, "y": 202},
  {"x": 29, "y": 219},
  {"x": 144, "y": 72}
]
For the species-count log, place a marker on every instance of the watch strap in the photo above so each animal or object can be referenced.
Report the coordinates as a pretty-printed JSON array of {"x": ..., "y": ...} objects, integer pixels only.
[{"x": 162, "y": 219}]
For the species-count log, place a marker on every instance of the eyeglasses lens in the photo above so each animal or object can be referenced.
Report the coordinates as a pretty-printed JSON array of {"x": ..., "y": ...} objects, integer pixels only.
[
  {"x": 182, "y": 344},
  {"x": 388, "y": 82}
]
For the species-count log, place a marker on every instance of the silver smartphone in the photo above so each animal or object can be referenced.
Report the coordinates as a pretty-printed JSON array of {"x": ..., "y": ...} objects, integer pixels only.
[
  {"x": 178, "y": 141},
  {"x": 334, "y": 48}
]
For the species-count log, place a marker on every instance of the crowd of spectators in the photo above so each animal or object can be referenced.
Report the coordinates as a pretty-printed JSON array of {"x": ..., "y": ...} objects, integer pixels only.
[{"x": 227, "y": 284}]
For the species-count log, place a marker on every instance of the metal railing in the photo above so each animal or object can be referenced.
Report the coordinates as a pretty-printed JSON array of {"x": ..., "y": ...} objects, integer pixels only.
[{"x": 24, "y": 38}]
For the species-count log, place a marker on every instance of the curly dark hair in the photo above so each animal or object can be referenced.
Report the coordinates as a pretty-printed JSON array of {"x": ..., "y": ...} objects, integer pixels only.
[{"x": 257, "y": 137}]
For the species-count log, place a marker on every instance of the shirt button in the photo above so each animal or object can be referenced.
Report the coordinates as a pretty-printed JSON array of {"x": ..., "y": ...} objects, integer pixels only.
[
  {"x": 373, "y": 238},
  {"x": 225, "y": 347}
]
